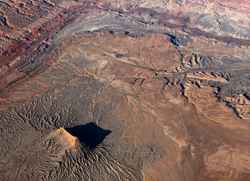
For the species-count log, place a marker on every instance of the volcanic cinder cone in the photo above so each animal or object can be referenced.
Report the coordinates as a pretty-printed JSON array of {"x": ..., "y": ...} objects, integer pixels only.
[
  {"x": 65, "y": 138},
  {"x": 60, "y": 141}
]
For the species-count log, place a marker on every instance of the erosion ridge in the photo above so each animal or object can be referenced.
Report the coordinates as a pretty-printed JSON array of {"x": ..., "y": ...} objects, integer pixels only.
[{"x": 124, "y": 90}]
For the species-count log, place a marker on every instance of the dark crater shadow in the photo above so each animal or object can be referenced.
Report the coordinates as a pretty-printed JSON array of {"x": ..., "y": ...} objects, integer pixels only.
[{"x": 89, "y": 134}]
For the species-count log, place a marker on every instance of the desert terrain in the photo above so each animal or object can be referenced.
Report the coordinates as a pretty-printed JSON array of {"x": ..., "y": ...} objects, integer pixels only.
[{"x": 124, "y": 90}]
